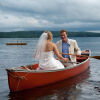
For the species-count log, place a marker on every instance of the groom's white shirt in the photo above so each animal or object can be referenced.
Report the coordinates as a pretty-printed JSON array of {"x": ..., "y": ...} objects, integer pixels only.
[{"x": 73, "y": 48}]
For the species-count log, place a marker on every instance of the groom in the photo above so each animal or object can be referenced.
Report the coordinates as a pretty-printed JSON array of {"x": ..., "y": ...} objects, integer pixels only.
[{"x": 70, "y": 46}]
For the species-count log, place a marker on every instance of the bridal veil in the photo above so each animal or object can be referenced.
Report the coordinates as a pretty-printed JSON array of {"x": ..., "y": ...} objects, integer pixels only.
[{"x": 41, "y": 45}]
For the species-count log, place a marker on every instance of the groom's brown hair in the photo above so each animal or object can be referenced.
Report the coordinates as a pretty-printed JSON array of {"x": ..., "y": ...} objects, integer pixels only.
[{"x": 63, "y": 31}]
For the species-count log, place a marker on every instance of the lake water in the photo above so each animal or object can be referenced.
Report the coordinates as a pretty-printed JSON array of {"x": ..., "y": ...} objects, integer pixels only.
[{"x": 83, "y": 87}]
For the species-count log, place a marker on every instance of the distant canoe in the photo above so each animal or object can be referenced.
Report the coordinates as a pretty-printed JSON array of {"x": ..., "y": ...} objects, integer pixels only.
[{"x": 16, "y": 43}]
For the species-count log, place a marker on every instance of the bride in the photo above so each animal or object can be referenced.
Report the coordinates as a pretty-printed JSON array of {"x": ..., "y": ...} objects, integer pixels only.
[{"x": 45, "y": 51}]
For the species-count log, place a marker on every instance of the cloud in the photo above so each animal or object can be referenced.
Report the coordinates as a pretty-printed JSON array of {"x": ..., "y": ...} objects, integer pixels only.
[{"x": 74, "y": 15}]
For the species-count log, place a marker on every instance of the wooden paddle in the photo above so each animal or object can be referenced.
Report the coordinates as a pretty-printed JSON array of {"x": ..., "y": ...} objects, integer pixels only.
[
  {"x": 95, "y": 57},
  {"x": 26, "y": 68}
]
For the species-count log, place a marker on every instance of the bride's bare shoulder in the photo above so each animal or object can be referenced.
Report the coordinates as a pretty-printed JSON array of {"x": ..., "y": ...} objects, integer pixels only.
[
  {"x": 54, "y": 44},
  {"x": 51, "y": 44}
]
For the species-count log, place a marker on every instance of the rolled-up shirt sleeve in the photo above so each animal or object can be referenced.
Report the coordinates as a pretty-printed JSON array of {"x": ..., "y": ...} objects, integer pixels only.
[{"x": 77, "y": 49}]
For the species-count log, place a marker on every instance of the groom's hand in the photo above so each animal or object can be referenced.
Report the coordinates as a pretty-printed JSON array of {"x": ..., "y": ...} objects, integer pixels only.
[{"x": 66, "y": 59}]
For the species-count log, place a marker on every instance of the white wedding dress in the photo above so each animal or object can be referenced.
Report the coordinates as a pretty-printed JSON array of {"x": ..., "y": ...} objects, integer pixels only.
[{"x": 48, "y": 62}]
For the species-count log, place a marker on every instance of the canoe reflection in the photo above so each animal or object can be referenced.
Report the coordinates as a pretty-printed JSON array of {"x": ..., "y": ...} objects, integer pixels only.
[{"x": 63, "y": 90}]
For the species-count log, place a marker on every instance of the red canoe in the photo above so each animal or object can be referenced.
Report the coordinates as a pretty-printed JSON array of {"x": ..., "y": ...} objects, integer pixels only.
[{"x": 27, "y": 77}]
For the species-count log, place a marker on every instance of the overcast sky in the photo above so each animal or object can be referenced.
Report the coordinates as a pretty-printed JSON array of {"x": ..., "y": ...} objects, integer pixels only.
[{"x": 73, "y": 15}]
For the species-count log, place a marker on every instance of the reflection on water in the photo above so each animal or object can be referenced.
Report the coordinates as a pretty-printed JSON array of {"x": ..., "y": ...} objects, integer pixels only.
[{"x": 63, "y": 90}]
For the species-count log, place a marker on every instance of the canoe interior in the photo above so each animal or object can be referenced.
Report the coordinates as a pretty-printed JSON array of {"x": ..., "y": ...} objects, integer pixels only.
[{"x": 79, "y": 60}]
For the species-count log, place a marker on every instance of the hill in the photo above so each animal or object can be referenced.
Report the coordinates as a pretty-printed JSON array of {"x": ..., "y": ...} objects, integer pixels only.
[{"x": 36, "y": 34}]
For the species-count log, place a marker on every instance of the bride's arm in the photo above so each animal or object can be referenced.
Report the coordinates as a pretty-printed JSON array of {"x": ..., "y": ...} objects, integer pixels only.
[{"x": 58, "y": 54}]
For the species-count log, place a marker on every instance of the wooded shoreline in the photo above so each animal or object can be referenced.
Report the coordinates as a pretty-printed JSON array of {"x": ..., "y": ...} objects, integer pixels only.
[{"x": 36, "y": 34}]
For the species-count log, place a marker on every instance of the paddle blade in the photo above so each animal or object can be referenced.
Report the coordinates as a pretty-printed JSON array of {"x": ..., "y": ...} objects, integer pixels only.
[{"x": 96, "y": 57}]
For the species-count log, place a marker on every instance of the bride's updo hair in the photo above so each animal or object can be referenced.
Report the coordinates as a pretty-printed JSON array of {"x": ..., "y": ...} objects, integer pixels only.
[{"x": 49, "y": 35}]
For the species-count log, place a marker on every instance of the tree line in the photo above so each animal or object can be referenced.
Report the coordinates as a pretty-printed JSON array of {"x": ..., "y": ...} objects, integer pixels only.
[{"x": 36, "y": 34}]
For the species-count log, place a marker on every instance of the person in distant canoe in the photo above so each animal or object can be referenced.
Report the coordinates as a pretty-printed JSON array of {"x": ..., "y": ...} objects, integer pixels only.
[
  {"x": 66, "y": 45},
  {"x": 45, "y": 51}
]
